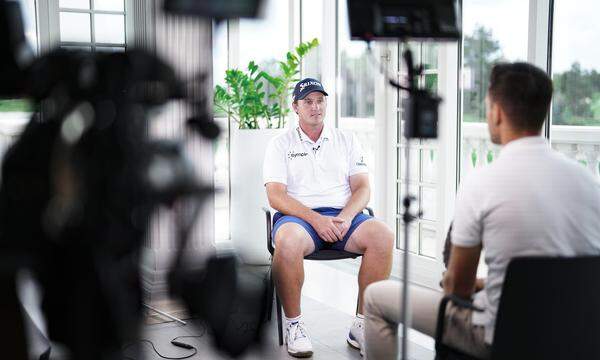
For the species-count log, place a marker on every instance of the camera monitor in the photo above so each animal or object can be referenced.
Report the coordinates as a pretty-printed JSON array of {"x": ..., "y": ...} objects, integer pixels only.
[
  {"x": 403, "y": 19},
  {"x": 218, "y": 9}
]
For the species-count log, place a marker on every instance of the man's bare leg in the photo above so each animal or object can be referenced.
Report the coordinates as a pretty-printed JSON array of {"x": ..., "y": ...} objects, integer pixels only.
[
  {"x": 292, "y": 243},
  {"x": 375, "y": 241}
]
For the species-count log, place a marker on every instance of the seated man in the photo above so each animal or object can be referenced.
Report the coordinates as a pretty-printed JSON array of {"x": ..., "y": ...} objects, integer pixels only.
[
  {"x": 531, "y": 201},
  {"x": 317, "y": 177}
]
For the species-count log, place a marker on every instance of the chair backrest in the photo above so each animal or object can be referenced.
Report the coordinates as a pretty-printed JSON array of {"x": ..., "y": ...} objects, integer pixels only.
[{"x": 549, "y": 309}]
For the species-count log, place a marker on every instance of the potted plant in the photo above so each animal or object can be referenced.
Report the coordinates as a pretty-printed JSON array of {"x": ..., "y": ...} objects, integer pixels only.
[{"x": 257, "y": 102}]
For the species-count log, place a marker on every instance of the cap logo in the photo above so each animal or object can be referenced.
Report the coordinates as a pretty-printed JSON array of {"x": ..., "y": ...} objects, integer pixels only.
[{"x": 308, "y": 83}]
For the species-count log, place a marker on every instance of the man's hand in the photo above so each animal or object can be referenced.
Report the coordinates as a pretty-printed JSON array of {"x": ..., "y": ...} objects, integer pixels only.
[
  {"x": 479, "y": 284},
  {"x": 343, "y": 226},
  {"x": 327, "y": 227}
]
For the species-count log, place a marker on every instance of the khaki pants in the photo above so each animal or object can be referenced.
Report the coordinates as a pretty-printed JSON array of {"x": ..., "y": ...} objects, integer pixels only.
[{"x": 382, "y": 310}]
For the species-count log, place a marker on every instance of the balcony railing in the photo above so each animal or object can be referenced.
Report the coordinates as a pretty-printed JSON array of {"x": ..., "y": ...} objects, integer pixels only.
[{"x": 581, "y": 143}]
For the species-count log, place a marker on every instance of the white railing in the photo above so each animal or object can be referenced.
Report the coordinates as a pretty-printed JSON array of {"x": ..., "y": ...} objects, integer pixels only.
[{"x": 581, "y": 143}]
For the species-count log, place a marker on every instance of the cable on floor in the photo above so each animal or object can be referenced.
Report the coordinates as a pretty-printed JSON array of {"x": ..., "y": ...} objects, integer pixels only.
[{"x": 174, "y": 342}]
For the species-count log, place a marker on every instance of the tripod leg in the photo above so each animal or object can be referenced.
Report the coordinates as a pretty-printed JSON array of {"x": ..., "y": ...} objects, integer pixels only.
[{"x": 165, "y": 314}]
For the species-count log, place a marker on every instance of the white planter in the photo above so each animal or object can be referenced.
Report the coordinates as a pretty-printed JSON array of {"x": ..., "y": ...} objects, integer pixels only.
[{"x": 247, "y": 224}]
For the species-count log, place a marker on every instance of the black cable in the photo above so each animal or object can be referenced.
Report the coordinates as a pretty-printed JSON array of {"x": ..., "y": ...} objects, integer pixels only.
[
  {"x": 169, "y": 357},
  {"x": 174, "y": 342}
]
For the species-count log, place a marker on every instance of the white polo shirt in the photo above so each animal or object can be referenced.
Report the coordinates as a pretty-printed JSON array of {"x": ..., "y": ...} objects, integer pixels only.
[
  {"x": 316, "y": 172},
  {"x": 531, "y": 201}
]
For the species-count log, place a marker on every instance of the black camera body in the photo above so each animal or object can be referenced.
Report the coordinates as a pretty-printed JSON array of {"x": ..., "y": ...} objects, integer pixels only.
[{"x": 421, "y": 120}]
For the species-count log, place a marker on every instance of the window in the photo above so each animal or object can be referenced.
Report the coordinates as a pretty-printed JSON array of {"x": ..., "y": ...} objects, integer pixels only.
[
  {"x": 95, "y": 25},
  {"x": 356, "y": 91},
  {"x": 265, "y": 40},
  {"x": 487, "y": 38},
  {"x": 575, "y": 118},
  {"x": 312, "y": 27}
]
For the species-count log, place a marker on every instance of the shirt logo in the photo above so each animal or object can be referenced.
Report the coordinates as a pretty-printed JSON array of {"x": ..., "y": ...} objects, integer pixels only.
[
  {"x": 292, "y": 155},
  {"x": 361, "y": 162}
]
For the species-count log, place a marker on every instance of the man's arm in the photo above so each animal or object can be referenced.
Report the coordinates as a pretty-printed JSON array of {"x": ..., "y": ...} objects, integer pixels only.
[
  {"x": 459, "y": 280},
  {"x": 361, "y": 193},
  {"x": 282, "y": 202}
]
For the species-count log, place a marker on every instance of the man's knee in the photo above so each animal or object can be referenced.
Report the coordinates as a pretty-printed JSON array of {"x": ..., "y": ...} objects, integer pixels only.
[
  {"x": 374, "y": 294},
  {"x": 380, "y": 237},
  {"x": 369, "y": 298},
  {"x": 290, "y": 241}
]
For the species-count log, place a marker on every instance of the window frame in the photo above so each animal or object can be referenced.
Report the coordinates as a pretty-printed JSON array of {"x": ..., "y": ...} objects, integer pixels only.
[{"x": 49, "y": 25}]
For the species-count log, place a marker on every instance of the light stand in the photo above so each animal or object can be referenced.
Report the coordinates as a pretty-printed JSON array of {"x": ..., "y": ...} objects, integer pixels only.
[{"x": 420, "y": 122}]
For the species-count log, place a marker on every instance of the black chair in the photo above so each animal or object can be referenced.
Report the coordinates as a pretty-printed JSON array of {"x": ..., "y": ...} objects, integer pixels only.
[
  {"x": 319, "y": 255},
  {"x": 549, "y": 309}
]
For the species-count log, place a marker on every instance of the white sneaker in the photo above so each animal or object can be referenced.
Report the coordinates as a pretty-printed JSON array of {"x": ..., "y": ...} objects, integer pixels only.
[
  {"x": 356, "y": 335},
  {"x": 297, "y": 340}
]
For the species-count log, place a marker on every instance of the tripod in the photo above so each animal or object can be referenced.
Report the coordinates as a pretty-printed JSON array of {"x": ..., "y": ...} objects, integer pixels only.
[{"x": 420, "y": 122}]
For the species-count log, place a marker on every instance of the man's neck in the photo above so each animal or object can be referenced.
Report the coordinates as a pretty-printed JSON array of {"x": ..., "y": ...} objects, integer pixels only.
[
  {"x": 516, "y": 135},
  {"x": 313, "y": 132}
]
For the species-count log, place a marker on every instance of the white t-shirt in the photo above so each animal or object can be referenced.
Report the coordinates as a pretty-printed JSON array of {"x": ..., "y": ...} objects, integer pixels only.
[
  {"x": 531, "y": 201},
  {"x": 316, "y": 172}
]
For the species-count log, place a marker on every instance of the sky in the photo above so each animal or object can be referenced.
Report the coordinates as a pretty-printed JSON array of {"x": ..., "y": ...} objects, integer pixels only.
[
  {"x": 576, "y": 29},
  {"x": 576, "y": 34}
]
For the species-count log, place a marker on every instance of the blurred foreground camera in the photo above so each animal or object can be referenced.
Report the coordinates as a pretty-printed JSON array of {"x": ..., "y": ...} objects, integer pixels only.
[{"x": 79, "y": 187}]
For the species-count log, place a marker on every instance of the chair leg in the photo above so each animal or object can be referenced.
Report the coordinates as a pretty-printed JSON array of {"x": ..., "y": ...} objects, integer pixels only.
[
  {"x": 279, "y": 325},
  {"x": 270, "y": 294}
]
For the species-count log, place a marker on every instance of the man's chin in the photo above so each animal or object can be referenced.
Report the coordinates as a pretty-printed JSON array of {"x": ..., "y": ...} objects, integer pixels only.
[{"x": 495, "y": 139}]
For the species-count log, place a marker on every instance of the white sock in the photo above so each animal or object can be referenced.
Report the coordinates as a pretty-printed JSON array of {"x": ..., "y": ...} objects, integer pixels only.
[{"x": 289, "y": 321}]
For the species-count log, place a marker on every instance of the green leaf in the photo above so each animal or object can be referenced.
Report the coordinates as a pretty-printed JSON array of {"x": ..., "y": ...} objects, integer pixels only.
[{"x": 252, "y": 67}]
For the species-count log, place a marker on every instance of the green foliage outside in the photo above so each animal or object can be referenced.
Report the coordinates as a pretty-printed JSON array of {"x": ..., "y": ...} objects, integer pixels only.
[
  {"x": 15, "y": 105},
  {"x": 431, "y": 82},
  {"x": 481, "y": 52},
  {"x": 257, "y": 94},
  {"x": 576, "y": 99}
]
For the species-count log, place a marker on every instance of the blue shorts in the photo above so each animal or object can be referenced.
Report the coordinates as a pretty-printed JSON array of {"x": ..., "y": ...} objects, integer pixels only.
[{"x": 320, "y": 244}]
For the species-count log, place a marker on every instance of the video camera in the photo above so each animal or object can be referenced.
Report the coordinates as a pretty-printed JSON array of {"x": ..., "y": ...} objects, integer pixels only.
[
  {"x": 80, "y": 185},
  {"x": 403, "y": 20}
]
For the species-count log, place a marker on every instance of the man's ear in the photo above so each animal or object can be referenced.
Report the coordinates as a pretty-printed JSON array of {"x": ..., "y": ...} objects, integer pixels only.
[
  {"x": 295, "y": 107},
  {"x": 497, "y": 114}
]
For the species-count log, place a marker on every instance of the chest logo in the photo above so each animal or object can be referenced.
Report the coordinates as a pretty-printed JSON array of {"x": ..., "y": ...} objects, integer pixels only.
[
  {"x": 361, "y": 162},
  {"x": 292, "y": 155}
]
